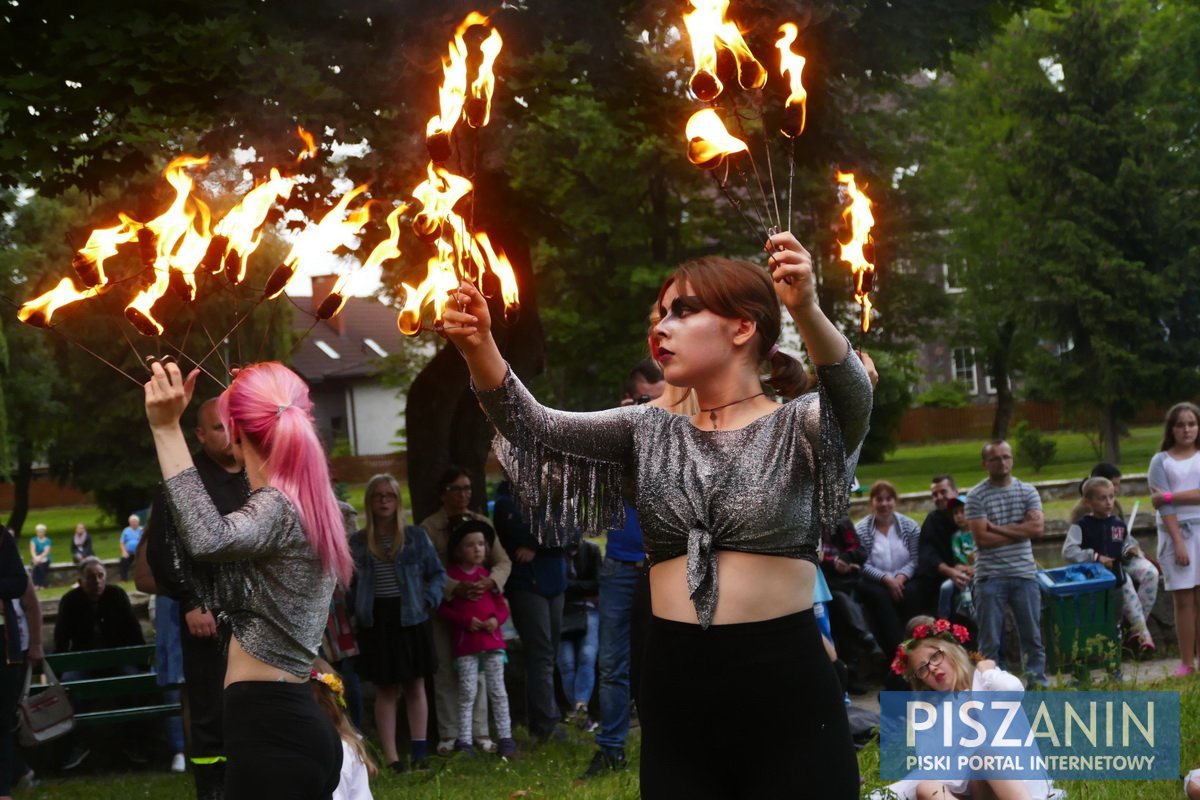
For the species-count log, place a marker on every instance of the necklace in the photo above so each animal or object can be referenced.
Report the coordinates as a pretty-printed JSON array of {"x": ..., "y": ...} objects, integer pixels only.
[{"x": 712, "y": 412}]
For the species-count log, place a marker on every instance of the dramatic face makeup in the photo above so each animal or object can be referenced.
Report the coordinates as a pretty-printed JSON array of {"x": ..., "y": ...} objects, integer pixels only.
[{"x": 692, "y": 341}]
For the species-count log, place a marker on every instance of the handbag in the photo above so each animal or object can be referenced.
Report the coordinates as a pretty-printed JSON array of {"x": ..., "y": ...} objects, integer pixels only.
[{"x": 48, "y": 714}]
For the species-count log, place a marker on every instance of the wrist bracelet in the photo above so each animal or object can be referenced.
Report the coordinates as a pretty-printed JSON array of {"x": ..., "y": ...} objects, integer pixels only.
[{"x": 1167, "y": 497}]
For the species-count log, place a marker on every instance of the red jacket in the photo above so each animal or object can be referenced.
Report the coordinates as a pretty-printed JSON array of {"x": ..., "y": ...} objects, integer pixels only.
[{"x": 459, "y": 611}]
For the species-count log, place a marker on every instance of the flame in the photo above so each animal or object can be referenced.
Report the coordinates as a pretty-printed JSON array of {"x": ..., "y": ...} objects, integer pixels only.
[
  {"x": 859, "y": 220},
  {"x": 101, "y": 245},
  {"x": 453, "y": 92},
  {"x": 167, "y": 230},
  {"x": 434, "y": 291},
  {"x": 310, "y": 144},
  {"x": 386, "y": 250},
  {"x": 336, "y": 229},
  {"x": 240, "y": 227},
  {"x": 708, "y": 140},
  {"x": 192, "y": 248},
  {"x": 479, "y": 106},
  {"x": 499, "y": 265},
  {"x": 438, "y": 194},
  {"x": 40, "y": 310},
  {"x": 708, "y": 29},
  {"x": 791, "y": 66}
]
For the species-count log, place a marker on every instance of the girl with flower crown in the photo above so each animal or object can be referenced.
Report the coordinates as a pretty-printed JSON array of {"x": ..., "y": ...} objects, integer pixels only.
[
  {"x": 934, "y": 659},
  {"x": 357, "y": 765}
]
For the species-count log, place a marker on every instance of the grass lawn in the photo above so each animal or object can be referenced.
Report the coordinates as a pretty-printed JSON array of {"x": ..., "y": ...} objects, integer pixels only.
[
  {"x": 910, "y": 467},
  {"x": 550, "y": 772}
]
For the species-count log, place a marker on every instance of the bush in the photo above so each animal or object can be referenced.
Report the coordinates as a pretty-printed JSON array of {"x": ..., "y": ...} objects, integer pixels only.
[
  {"x": 1033, "y": 447},
  {"x": 949, "y": 394}
]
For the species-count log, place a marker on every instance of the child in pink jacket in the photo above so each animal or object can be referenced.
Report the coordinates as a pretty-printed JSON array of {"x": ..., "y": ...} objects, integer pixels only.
[{"x": 478, "y": 641}]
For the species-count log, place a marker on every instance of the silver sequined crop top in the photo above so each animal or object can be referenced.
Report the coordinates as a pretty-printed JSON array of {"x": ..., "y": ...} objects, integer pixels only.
[
  {"x": 272, "y": 591},
  {"x": 766, "y": 488}
]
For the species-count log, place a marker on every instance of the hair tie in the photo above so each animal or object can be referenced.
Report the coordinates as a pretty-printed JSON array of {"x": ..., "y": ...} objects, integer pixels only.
[
  {"x": 771, "y": 353},
  {"x": 281, "y": 408}
]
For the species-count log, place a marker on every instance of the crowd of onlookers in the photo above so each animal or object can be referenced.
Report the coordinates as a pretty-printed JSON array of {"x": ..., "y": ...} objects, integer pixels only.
[{"x": 431, "y": 604}]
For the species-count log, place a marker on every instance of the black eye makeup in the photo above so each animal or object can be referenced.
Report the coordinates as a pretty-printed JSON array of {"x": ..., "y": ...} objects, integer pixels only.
[{"x": 681, "y": 306}]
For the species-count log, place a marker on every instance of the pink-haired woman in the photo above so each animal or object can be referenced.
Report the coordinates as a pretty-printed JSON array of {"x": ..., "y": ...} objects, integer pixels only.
[{"x": 275, "y": 563}]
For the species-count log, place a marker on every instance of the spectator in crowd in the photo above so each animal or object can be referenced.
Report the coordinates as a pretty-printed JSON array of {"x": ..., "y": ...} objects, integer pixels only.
[
  {"x": 96, "y": 615},
  {"x": 339, "y": 645},
  {"x": 890, "y": 541},
  {"x": 842, "y": 558},
  {"x": 398, "y": 583},
  {"x": 1102, "y": 536},
  {"x": 535, "y": 595},
  {"x": 81, "y": 544},
  {"x": 175, "y": 574},
  {"x": 953, "y": 598},
  {"x": 1174, "y": 479},
  {"x": 1140, "y": 569},
  {"x": 644, "y": 383},
  {"x": 936, "y": 562},
  {"x": 39, "y": 551},
  {"x": 1191, "y": 785},
  {"x": 358, "y": 767},
  {"x": 580, "y": 630},
  {"x": 129, "y": 543},
  {"x": 1005, "y": 515},
  {"x": 456, "y": 501},
  {"x": 478, "y": 639},
  {"x": 22, "y": 646}
]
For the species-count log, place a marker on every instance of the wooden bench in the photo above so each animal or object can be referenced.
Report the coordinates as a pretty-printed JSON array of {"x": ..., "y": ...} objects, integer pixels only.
[{"x": 134, "y": 689}]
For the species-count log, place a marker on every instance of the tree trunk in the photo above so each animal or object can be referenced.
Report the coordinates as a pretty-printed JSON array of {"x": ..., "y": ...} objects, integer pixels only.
[
  {"x": 24, "y": 476},
  {"x": 1110, "y": 432},
  {"x": 998, "y": 363},
  {"x": 444, "y": 422}
]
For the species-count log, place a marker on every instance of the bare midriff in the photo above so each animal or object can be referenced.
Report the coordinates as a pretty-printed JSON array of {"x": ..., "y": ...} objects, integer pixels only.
[
  {"x": 751, "y": 588},
  {"x": 244, "y": 667}
]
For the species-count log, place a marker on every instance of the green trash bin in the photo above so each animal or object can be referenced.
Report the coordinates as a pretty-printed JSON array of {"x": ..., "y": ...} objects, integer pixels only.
[{"x": 1079, "y": 618}]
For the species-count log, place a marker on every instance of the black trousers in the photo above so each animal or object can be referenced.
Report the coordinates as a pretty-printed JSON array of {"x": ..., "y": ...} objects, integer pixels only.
[
  {"x": 204, "y": 674},
  {"x": 279, "y": 743},
  {"x": 12, "y": 765},
  {"x": 750, "y": 711}
]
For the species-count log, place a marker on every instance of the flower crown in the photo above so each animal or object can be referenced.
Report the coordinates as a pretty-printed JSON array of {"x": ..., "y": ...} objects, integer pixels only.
[
  {"x": 941, "y": 629},
  {"x": 333, "y": 682}
]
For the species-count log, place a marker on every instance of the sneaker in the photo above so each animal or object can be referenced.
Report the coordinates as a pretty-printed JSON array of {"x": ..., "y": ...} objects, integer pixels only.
[
  {"x": 178, "y": 764},
  {"x": 27, "y": 781},
  {"x": 1183, "y": 670},
  {"x": 78, "y": 755},
  {"x": 604, "y": 761},
  {"x": 590, "y": 725},
  {"x": 464, "y": 747},
  {"x": 485, "y": 745},
  {"x": 507, "y": 748},
  {"x": 445, "y": 747}
]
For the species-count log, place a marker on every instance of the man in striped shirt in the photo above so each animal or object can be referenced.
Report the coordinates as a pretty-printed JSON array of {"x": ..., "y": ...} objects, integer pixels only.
[{"x": 1005, "y": 515}]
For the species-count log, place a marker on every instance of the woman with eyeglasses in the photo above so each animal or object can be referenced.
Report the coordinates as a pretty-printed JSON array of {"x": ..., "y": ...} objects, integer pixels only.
[
  {"x": 731, "y": 501},
  {"x": 934, "y": 659},
  {"x": 398, "y": 584},
  {"x": 456, "y": 494}
]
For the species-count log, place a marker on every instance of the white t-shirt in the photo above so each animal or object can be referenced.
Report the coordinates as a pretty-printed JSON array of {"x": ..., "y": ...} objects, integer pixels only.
[
  {"x": 889, "y": 554},
  {"x": 1183, "y": 475},
  {"x": 353, "y": 784}
]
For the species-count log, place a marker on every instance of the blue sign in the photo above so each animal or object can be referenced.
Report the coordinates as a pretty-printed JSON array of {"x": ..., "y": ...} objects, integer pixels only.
[{"x": 1029, "y": 735}]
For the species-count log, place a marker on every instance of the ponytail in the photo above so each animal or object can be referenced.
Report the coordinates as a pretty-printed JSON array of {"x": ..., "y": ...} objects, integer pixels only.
[
  {"x": 788, "y": 377},
  {"x": 269, "y": 405}
]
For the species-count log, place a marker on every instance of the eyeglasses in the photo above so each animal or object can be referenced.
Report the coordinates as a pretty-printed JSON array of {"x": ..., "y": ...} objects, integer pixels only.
[
  {"x": 934, "y": 660},
  {"x": 383, "y": 496},
  {"x": 464, "y": 489}
]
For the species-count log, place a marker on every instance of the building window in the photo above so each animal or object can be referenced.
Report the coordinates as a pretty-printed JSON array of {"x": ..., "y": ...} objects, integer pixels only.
[
  {"x": 989, "y": 385},
  {"x": 952, "y": 277},
  {"x": 327, "y": 350},
  {"x": 964, "y": 368}
]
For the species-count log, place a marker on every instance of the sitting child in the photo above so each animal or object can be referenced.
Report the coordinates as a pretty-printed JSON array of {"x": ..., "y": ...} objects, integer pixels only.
[
  {"x": 357, "y": 765},
  {"x": 963, "y": 546},
  {"x": 1101, "y": 536},
  {"x": 477, "y": 637}
]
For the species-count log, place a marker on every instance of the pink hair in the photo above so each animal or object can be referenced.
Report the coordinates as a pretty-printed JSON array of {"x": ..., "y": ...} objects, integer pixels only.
[{"x": 268, "y": 404}]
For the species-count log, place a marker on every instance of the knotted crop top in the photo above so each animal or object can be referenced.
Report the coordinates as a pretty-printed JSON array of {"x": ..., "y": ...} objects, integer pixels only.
[{"x": 767, "y": 488}]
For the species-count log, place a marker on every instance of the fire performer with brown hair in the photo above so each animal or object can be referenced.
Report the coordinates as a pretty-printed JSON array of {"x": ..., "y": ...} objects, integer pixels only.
[{"x": 738, "y": 698}]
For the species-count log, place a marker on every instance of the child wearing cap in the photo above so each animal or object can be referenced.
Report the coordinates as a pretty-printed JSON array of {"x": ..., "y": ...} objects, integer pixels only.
[{"x": 477, "y": 640}]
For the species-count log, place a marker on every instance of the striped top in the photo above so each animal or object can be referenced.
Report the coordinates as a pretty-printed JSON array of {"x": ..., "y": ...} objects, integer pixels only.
[
  {"x": 386, "y": 584},
  {"x": 1004, "y": 505}
]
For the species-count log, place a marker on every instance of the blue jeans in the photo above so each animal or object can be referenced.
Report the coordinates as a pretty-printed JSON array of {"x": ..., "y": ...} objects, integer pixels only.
[
  {"x": 945, "y": 603},
  {"x": 618, "y": 580},
  {"x": 1022, "y": 595},
  {"x": 577, "y": 661}
]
